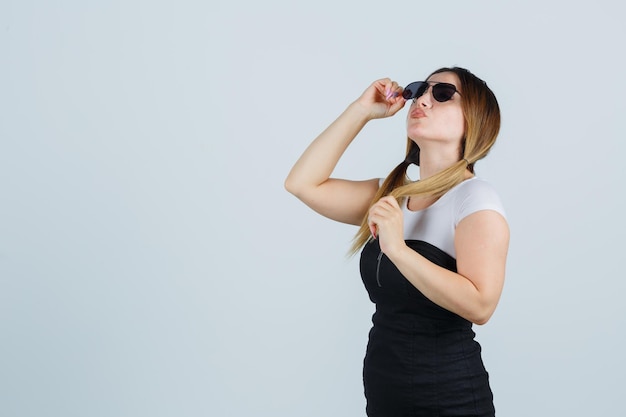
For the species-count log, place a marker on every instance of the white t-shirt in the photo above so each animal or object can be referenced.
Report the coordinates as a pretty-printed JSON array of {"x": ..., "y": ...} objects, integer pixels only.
[{"x": 436, "y": 224}]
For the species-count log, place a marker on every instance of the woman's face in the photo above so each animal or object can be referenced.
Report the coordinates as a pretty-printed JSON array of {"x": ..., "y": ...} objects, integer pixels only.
[{"x": 430, "y": 120}]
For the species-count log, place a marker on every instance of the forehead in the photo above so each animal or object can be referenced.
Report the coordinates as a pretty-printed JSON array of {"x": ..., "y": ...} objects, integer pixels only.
[{"x": 445, "y": 77}]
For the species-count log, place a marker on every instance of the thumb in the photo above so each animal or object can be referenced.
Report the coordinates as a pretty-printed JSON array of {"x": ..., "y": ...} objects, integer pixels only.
[{"x": 397, "y": 106}]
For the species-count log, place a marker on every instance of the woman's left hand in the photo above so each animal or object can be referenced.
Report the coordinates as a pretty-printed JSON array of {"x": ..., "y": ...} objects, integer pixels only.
[{"x": 386, "y": 222}]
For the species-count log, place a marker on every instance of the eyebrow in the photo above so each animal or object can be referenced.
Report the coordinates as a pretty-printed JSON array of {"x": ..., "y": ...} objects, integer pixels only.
[{"x": 441, "y": 82}]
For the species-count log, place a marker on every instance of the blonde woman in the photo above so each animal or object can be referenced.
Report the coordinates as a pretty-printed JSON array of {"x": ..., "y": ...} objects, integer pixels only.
[{"x": 433, "y": 251}]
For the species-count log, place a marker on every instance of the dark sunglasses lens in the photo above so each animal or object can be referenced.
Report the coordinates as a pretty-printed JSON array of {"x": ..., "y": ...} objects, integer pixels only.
[
  {"x": 414, "y": 90},
  {"x": 443, "y": 92}
]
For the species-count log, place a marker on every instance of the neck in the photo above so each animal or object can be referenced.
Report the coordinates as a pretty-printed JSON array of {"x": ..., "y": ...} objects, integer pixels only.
[{"x": 435, "y": 160}]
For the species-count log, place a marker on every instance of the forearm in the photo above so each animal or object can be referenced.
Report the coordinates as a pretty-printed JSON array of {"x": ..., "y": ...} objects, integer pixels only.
[
  {"x": 321, "y": 157},
  {"x": 443, "y": 287}
]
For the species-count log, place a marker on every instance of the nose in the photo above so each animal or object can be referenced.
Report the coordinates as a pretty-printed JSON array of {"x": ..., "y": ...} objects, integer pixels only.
[{"x": 425, "y": 100}]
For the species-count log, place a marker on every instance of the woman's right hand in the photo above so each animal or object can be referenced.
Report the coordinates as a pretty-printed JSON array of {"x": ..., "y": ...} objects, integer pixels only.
[
  {"x": 382, "y": 99},
  {"x": 309, "y": 180}
]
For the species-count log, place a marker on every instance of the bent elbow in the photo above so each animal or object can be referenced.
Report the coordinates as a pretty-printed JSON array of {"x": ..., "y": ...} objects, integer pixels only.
[
  {"x": 292, "y": 187},
  {"x": 480, "y": 320},
  {"x": 483, "y": 316},
  {"x": 302, "y": 189},
  {"x": 288, "y": 185}
]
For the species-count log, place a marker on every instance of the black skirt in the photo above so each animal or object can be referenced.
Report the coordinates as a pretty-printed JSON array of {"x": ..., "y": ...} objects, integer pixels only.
[{"x": 421, "y": 360}]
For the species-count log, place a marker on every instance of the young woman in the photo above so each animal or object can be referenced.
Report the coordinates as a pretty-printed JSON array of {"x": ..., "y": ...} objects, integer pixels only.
[{"x": 433, "y": 251}]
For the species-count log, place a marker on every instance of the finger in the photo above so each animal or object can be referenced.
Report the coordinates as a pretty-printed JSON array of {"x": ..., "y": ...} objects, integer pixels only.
[
  {"x": 387, "y": 208},
  {"x": 373, "y": 230},
  {"x": 378, "y": 87},
  {"x": 379, "y": 210},
  {"x": 393, "y": 91},
  {"x": 372, "y": 226},
  {"x": 397, "y": 103},
  {"x": 389, "y": 90},
  {"x": 389, "y": 201}
]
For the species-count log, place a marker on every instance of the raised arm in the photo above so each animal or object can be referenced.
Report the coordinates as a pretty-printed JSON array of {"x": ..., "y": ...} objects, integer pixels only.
[{"x": 339, "y": 199}]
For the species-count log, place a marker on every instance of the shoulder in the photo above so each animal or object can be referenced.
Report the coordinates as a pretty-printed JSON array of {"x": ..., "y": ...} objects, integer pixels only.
[
  {"x": 476, "y": 187},
  {"x": 474, "y": 195}
]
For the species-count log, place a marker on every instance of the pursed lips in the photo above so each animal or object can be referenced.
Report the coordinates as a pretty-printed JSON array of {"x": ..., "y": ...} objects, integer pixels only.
[{"x": 417, "y": 114}]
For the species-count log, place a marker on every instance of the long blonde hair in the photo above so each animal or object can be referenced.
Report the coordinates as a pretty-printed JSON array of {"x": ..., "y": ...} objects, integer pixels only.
[{"x": 482, "y": 124}]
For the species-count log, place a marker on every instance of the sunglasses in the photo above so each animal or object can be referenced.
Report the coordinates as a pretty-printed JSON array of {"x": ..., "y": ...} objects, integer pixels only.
[{"x": 441, "y": 91}]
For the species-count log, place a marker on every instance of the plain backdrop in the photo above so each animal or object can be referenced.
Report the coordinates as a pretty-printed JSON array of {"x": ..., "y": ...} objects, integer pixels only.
[{"x": 152, "y": 264}]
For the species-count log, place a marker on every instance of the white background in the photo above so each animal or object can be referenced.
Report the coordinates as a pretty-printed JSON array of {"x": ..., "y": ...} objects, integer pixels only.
[{"x": 151, "y": 263}]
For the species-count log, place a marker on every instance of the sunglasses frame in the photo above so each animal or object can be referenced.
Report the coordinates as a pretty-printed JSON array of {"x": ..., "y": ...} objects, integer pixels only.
[{"x": 410, "y": 93}]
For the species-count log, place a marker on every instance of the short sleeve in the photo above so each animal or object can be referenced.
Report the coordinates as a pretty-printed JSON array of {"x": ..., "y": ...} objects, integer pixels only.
[{"x": 476, "y": 195}]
